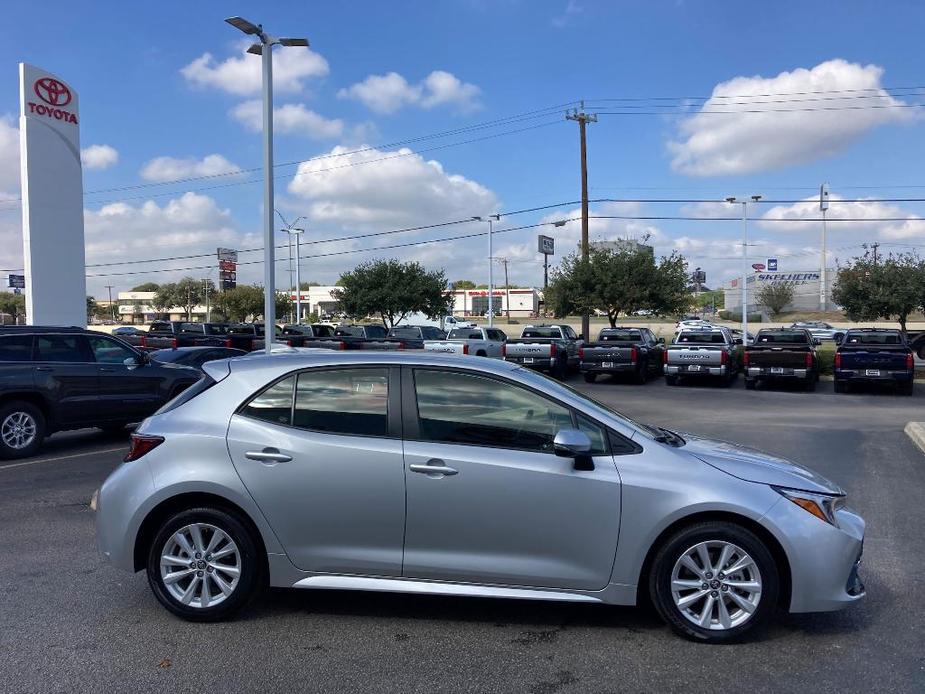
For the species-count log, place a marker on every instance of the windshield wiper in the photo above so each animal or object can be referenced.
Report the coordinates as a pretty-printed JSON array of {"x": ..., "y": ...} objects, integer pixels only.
[{"x": 663, "y": 435}]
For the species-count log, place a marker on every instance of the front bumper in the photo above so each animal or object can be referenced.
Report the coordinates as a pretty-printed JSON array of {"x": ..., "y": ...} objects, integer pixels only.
[{"x": 824, "y": 560}]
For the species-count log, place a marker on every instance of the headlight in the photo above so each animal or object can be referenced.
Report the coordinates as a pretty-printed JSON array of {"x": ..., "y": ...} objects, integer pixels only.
[{"x": 822, "y": 506}]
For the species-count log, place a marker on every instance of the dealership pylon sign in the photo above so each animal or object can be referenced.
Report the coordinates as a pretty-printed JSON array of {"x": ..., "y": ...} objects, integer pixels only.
[{"x": 52, "y": 199}]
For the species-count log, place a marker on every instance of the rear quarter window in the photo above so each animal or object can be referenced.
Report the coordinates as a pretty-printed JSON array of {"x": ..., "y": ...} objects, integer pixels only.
[{"x": 16, "y": 348}]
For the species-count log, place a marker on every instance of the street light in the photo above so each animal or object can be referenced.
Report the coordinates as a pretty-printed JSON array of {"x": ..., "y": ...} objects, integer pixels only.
[
  {"x": 265, "y": 50},
  {"x": 291, "y": 229},
  {"x": 732, "y": 200},
  {"x": 491, "y": 219}
]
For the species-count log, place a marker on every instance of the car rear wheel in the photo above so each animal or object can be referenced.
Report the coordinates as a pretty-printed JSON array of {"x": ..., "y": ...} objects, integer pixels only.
[
  {"x": 714, "y": 582},
  {"x": 671, "y": 380},
  {"x": 810, "y": 384},
  {"x": 204, "y": 565},
  {"x": 642, "y": 374},
  {"x": 750, "y": 383},
  {"x": 841, "y": 387},
  {"x": 22, "y": 429},
  {"x": 590, "y": 377},
  {"x": 906, "y": 388}
]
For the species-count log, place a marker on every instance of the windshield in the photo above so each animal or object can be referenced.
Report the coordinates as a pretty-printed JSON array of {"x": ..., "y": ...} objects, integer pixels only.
[
  {"x": 542, "y": 333},
  {"x": 884, "y": 338},
  {"x": 405, "y": 332},
  {"x": 620, "y": 336},
  {"x": 791, "y": 336},
  {"x": 465, "y": 334},
  {"x": 701, "y": 338}
]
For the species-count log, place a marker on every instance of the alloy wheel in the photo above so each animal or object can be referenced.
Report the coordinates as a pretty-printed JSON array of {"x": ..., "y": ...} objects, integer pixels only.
[
  {"x": 18, "y": 430},
  {"x": 716, "y": 585},
  {"x": 200, "y": 565}
]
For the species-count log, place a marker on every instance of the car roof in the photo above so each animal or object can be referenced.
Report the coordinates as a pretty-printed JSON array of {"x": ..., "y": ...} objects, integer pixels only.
[
  {"x": 194, "y": 348},
  {"x": 42, "y": 329}
]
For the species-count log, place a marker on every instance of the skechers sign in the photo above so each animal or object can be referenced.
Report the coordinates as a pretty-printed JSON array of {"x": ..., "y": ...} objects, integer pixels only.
[
  {"x": 56, "y": 96},
  {"x": 790, "y": 277}
]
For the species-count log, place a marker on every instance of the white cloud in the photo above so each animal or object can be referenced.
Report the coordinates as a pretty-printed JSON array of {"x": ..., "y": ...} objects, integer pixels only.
[
  {"x": 390, "y": 92},
  {"x": 9, "y": 158},
  {"x": 572, "y": 10},
  {"x": 290, "y": 119},
  {"x": 870, "y": 219},
  {"x": 99, "y": 156},
  {"x": 172, "y": 168},
  {"x": 241, "y": 74},
  {"x": 400, "y": 189},
  {"x": 713, "y": 145}
]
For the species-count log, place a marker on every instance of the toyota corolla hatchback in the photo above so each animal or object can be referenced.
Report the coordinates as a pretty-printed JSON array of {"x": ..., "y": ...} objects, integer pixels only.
[{"x": 444, "y": 475}]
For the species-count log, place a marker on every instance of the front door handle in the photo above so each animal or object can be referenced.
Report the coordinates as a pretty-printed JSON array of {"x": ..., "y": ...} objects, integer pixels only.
[
  {"x": 268, "y": 455},
  {"x": 435, "y": 468}
]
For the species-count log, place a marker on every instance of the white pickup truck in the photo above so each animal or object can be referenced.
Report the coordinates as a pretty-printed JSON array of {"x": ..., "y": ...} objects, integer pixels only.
[{"x": 480, "y": 342}]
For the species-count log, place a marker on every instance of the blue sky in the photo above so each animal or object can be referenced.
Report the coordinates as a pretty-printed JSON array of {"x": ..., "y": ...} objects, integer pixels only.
[{"x": 150, "y": 93}]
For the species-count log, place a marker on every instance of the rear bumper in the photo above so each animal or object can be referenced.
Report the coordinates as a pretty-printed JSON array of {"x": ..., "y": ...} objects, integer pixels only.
[
  {"x": 685, "y": 370},
  {"x": 765, "y": 372},
  {"x": 597, "y": 367},
  {"x": 533, "y": 362},
  {"x": 885, "y": 376}
]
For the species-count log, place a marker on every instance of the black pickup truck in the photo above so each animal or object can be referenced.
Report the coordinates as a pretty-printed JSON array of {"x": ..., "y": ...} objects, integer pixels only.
[
  {"x": 782, "y": 354},
  {"x": 54, "y": 379},
  {"x": 623, "y": 350},
  {"x": 874, "y": 355},
  {"x": 369, "y": 337},
  {"x": 170, "y": 334}
]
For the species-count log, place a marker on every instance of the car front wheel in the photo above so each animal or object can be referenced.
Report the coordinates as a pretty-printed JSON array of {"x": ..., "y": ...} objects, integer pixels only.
[
  {"x": 714, "y": 582},
  {"x": 22, "y": 429},
  {"x": 203, "y": 564}
]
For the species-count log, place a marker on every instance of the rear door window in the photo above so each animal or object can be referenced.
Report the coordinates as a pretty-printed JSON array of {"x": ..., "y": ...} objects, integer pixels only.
[
  {"x": 274, "y": 404},
  {"x": 352, "y": 402},
  {"x": 16, "y": 348},
  {"x": 62, "y": 348}
]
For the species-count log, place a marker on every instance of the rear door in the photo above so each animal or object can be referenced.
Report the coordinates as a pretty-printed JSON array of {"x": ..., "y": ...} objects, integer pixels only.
[
  {"x": 320, "y": 451},
  {"x": 506, "y": 510},
  {"x": 66, "y": 374}
]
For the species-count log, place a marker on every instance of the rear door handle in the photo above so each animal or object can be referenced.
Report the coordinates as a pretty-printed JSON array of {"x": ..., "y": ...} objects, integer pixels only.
[
  {"x": 268, "y": 455},
  {"x": 434, "y": 468},
  {"x": 43, "y": 368}
]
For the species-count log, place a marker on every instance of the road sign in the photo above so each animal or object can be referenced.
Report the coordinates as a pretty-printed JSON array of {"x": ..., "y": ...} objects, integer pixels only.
[
  {"x": 16, "y": 281},
  {"x": 227, "y": 268},
  {"x": 772, "y": 264},
  {"x": 546, "y": 245}
]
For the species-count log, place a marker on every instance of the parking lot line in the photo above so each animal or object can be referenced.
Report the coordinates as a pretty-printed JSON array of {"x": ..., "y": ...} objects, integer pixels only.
[{"x": 61, "y": 457}]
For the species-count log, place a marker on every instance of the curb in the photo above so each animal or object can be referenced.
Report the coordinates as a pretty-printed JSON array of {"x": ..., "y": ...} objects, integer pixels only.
[{"x": 916, "y": 432}]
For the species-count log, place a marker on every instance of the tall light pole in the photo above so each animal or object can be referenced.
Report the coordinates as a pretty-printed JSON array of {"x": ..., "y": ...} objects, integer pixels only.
[
  {"x": 491, "y": 219},
  {"x": 823, "y": 206},
  {"x": 205, "y": 291},
  {"x": 265, "y": 49},
  {"x": 731, "y": 200},
  {"x": 112, "y": 314},
  {"x": 291, "y": 229}
]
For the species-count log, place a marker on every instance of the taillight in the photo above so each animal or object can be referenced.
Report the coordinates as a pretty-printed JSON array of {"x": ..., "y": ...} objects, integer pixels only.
[
  {"x": 665, "y": 356},
  {"x": 144, "y": 342},
  {"x": 140, "y": 445},
  {"x": 552, "y": 350},
  {"x": 634, "y": 353},
  {"x": 723, "y": 357},
  {"x": 341, "y": 345},
  {"x": 809, "y": 360},
  {"x": 910, "y": 361},
  {"x": 228, "y": 342},
  {"x": 465, "y": 349},
  {"x": 289, "y": 343},
  {"x": 503, "y": 351},
  {"x": 581, "y": 353},
  {"x": 837, "y": 360},
  {"x": 401, "y": 345},
  {"x": 746, "y": 358}
]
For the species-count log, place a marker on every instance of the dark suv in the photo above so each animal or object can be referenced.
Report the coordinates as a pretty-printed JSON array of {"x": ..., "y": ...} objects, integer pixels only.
[{"x": 54, "y": 379}]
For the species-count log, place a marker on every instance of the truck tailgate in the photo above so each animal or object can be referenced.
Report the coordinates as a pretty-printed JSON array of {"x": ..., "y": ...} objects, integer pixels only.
[
  {"x": 595, "y": 354},
  {"x": 703, "y": 356},
  {"x": 873, "y": 358},
  {"x": 793, "y": 358}
]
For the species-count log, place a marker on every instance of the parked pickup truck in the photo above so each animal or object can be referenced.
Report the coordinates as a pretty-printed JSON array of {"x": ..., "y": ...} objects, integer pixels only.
[
  {"x": 550, "y": 348},
  {"x": 369, "y": 337},
  {"x": 782, "y": 354},
  {"x": 170, "y": 334},
  {"x": 702, "y": 353},
  {"x": 874, "y": 355},
  {"x": 480, "y": 342},
  {"x": 633, "y": 351}
]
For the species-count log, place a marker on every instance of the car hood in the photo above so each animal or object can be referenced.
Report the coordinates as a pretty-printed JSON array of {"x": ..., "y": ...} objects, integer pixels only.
[{"x": 756, "y": 466}]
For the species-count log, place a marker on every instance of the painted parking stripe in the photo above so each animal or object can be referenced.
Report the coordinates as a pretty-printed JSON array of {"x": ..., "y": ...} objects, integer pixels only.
[{"x": 62, "y": 457}]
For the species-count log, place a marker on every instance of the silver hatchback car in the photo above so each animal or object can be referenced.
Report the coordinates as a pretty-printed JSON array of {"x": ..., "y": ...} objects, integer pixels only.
[{"x": 445, "y": 475}]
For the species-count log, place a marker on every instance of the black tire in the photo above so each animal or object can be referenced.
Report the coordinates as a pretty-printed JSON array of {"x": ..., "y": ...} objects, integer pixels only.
[
  {"x": 590, "y": 377},
  {"x": 809, "y": 385},
  {"x": 671, "y": 380},
  {"x": 252, "y": 568},
  {"x": 481, "y": 353},
  {"x": 113, "y": 428},
  {"x": 17, "y": 410},
  {"x": 560, "y": 371},
  {"x": 750, "y": 383},
  {"x": 677, "y": 545},
  {"x": 642, "y": 374},
  {"x": 906, "y": 388},
  {"x": 841, "y": 387}
]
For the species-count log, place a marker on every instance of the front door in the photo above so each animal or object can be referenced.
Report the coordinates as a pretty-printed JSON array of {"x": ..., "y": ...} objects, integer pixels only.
[
  {"x": 506, "y": 510},
  {"x": 127, "y": 393},
  {"x": 320, "y": 451}
]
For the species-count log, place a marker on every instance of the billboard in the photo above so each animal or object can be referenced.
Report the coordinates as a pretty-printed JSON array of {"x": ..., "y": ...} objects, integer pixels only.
[
  {"x": 52, "y": 199},
  {"x": 227, "y": 268},
  {"x": 772, "y": 264},
  {"x": 546, "y": 245},
  {"x": 16, "y": 281}
]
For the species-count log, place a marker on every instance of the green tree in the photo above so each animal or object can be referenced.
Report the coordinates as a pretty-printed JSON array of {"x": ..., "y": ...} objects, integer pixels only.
[
  {"x": 462, "y": 284},
  {"x": 284, "y": 305},
  {"x": 165, "y": 297},
  {"x": 241, "y": 303},
  {"x": 147, "y": 287},
  {"x": 392, "y": 290},
  {"x": 305, "y": 286},
  {"x": 13, "y": 305},
  {"x": 94, "y": 310},
  {"x": 189, "y": 292},
  {"x": 618, "y": 282},
  {"x": 889, "y": 290},
  {"x": 775, "y": 296}
]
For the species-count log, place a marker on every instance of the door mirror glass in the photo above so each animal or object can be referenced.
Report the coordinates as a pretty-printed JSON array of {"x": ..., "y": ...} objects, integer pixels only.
[
  {"x": 737, "y": 341},
  {"x": 571, "y": 443},
  {"x": 661, "y": 340},
  {"x": 817, "y": 341}
]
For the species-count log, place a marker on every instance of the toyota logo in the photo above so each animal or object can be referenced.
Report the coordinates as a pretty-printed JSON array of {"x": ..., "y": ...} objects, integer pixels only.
[{"x": 52, "y": 92}]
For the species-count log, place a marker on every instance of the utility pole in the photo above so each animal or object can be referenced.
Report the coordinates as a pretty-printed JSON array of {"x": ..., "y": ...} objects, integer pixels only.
[
  {"x": 205, "y": 291},
  {"x": 507, "y": 292},
  {"x": 491, "y": 219},
  {"x": 112, "y": 313},
  {"x": 583, "y": 119},
  {"x": 755, "y": 198},
  {"x": 823, "y": 206}
]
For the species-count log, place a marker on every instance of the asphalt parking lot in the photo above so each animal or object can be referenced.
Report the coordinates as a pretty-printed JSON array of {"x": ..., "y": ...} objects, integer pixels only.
[{"x": 69, "y": 622}]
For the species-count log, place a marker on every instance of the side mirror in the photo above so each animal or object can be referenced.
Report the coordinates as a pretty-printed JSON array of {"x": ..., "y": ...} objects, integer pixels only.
[
  {"x": 581, "y": 336},
  {"x": 135, "y": 362},
  {"x": 571, "y": 443},
  {"x": 817, "y": 341},
  {"x": 661, "y": 340},
  {"x": 737, "y": 341}
]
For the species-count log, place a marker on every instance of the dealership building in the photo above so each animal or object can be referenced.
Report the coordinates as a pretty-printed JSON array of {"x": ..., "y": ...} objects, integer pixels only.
[{"x": 805, "y": 285}]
